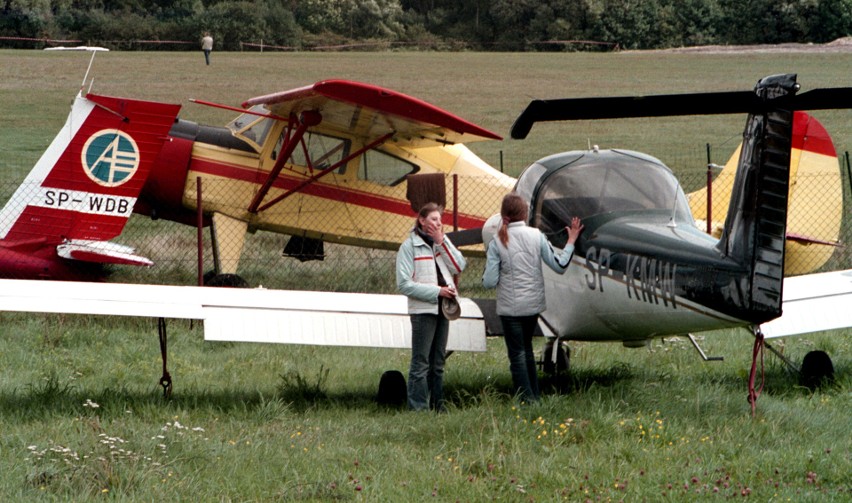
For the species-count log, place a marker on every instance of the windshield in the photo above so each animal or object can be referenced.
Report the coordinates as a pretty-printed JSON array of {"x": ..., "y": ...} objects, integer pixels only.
[
  {"x": 595, "y": 183},
  {"x": 252, "y": 128}
]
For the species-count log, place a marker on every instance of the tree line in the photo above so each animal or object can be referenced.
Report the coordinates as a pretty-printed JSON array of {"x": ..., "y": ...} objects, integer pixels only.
[{"x": 496, "y": 25}]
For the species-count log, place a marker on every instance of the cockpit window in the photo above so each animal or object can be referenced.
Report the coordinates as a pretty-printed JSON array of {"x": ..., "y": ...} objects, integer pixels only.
[
  {"x": 380, "y": 167},
  {"x": 252, "y": 128},
  {"x": 323, "y": 151},
  {"x": 605, "y": 182}
]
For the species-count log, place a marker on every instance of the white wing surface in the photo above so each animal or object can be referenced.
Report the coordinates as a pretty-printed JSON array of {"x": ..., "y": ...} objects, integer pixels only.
[
  {"x": 248, "y": 315},
  {"x": 812, "y": 303}
]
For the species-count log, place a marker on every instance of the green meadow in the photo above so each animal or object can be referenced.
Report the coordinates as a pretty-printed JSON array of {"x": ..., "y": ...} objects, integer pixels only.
[{"x": 84, "y": 418}]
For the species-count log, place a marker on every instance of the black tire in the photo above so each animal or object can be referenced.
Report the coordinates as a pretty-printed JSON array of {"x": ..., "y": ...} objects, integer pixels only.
[
  {"x": 817, "y": 370},
  {"x": 225, "y": 280},
  {"x": 392, "y": 389}
]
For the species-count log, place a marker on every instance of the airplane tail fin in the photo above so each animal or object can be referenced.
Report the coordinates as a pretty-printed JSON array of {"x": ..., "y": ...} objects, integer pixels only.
[
  {"x": 85, "y": 185},
  {"x": 816, "y": 198},
  {"x": 755, "y": 226},
  {"x": 812, "y": 231}
]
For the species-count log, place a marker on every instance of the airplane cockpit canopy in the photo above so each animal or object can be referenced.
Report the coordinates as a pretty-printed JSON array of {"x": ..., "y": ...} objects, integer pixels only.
[{"x": 589, "y": 183}]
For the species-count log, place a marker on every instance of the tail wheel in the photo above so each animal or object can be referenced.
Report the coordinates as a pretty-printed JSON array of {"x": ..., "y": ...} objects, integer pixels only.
[
  {"x": 563, "y": 355},
  {"x": 817, "y": 370},
  {"x": 225, "y": 280}
]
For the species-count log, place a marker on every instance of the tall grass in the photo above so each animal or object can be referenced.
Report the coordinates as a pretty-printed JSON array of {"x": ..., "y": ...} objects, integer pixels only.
[{"x": 83, "y": 416}]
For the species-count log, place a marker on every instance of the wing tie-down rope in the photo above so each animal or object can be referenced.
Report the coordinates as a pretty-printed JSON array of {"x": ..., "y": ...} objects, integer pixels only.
[
  {"x": 759, "y": 344},
  {"x": 166, "y": 379}
]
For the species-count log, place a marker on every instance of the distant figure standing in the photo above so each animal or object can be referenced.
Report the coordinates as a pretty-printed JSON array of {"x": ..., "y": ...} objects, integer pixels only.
[{"x": 207, "y": 46}]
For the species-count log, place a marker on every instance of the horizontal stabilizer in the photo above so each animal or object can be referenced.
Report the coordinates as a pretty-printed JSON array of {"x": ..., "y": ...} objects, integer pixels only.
[
  {"x": 666, "y": 105},
  {"x": 248, "y": 315},
  {"x": 101, "y": 252},
  {"x": 813, "y": 303}
]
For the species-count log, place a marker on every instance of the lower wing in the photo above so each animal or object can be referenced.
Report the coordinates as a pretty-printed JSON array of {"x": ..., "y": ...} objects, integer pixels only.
[
  {"x": 813, "y": 303},
  {"x": 249, "y": 315}
]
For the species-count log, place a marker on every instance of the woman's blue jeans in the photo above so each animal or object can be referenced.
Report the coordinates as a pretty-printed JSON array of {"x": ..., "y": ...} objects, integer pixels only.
[
  {"x": 518, "y": 332},
  {"x": 428, "y": 352}
]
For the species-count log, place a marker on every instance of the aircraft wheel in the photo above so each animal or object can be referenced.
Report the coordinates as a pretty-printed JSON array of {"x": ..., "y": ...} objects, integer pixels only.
[
  {"x": 563, "y": 355},
  {"x": 225, "y": 280},
  {"x": 817, "y": 369},
  {"x": 392, "y": 389}
]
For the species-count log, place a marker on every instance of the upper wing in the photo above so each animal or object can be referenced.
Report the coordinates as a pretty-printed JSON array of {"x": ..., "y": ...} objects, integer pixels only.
[
  {"x": 812, "y": 303},
  {"x": 371, "y": 112},
  {"x": 248, "y": 315}
]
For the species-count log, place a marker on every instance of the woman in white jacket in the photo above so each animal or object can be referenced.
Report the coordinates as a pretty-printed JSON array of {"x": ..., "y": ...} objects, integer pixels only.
[
  {"x": 425, "y": 265},
  {"x": 513, "y": 265}
]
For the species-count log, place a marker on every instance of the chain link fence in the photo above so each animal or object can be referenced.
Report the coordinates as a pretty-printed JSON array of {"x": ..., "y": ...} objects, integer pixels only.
[{"x": 181, "y": 253}]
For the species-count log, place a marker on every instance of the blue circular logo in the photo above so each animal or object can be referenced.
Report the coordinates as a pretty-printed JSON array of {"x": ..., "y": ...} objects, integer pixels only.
[{"x": 110, "y": 157}]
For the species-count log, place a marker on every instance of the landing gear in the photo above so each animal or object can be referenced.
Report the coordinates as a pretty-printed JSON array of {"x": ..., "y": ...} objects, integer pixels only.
[
  {"x": 225, "y": 280},
  {"x": 560, "y": 363},
  {"x": 816, "y": 370}
]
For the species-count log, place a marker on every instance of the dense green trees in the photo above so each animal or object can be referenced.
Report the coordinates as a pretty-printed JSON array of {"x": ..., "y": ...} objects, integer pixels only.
[{"x": 511, "y": 25}]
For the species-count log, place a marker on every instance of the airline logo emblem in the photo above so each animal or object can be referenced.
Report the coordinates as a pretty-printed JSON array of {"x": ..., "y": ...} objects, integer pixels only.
[{"x": 110, "y": 157}]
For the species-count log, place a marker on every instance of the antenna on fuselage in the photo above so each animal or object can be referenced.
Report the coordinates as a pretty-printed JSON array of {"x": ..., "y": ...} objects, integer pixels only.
[
  {"x": 672, "y": 224},
  {"x": 93, "y": 50}
]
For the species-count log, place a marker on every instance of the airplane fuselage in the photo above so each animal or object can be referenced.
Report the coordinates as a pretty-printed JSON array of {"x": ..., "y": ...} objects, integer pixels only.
[
  {"x": 353, "y": 204},
  {"x": 634, "y": 278}
]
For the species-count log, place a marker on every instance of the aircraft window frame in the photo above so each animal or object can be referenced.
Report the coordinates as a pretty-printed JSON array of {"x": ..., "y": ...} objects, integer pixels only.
[
  {"x": 297, "y": 161},
  {"x": 253, "y": 129},
  {"x": 363, "y": 172}
]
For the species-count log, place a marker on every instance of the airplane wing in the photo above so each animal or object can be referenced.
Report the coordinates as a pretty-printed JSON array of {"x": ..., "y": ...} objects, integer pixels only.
[
  {"x": 813, "y": 303},
  {"x": 371, "y": 112},
  {"x": 248, "y": 315}
]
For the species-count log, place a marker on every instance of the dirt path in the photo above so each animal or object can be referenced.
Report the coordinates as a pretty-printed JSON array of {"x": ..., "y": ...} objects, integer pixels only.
[{"x": 837, "y": 46}]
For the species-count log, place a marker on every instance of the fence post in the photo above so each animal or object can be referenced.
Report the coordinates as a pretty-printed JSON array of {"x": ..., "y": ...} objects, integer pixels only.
[
  {"x": 455, "y": 202},
  {"x": 200, "y": 225},
  {"x": 709, "y": 191}
]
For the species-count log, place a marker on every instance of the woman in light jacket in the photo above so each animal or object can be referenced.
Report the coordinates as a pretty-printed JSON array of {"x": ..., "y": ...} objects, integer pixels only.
[
  {"x": 425, "y": 265},
  {"x": 513, "y": 265}
]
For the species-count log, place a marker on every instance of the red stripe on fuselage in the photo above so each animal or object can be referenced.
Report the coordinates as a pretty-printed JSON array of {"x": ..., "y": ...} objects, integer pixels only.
[{"x": 325, "y": 191}]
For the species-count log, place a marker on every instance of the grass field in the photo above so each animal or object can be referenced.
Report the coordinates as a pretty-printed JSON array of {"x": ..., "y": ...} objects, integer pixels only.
[{"x": 84, "y": 419}]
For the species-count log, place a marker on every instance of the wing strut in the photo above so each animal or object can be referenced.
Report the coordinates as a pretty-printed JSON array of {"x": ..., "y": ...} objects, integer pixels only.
[
  {"x": 322, "y": 173},
  {"x": 306, "y": 120}
]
